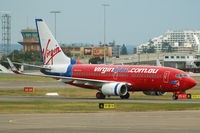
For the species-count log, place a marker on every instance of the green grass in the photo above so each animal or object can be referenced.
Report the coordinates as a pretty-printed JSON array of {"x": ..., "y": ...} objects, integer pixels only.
[
  {"x": 26, "y": 78},
  {"x": 71, "y": 92},
  {"x": 197, "y": 79},
  {"x": 66, "y": 107}
]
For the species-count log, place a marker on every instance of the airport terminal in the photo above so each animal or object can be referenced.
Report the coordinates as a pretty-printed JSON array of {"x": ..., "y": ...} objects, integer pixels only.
[{"x": 50, "y": 84}]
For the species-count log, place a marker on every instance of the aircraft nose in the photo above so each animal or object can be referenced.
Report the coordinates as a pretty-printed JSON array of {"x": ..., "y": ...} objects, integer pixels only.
[{"x": 192, "y": 83}]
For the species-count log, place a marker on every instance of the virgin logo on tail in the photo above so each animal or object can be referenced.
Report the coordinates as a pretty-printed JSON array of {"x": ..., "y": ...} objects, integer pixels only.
[{"x": 49, "y": 54}]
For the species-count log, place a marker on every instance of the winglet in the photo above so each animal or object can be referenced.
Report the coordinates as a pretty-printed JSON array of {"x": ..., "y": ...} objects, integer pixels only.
[{"x": 13, "y": 68}]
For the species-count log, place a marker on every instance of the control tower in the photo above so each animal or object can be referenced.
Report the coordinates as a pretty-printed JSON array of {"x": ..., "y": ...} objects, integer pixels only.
[{"x": 30, "y": 40}]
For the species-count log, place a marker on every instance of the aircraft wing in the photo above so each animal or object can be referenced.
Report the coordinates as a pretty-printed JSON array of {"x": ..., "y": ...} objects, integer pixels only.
[
  {"x": 85, "y": 81},
  {"x": 42, "y": 66}
]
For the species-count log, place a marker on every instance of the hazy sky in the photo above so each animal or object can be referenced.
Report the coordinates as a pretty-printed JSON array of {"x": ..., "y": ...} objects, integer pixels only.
[{"x": 128, "y": 21}]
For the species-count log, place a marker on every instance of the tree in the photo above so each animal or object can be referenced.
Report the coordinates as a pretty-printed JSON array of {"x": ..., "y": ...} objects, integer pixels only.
[
  {"x": 166, "y": 47},
  {"x": 144, "y": 49},
  {"x": 21, "y": 57},
  {"x": 170, "y": 49},
  {"x": 68, "y": 53},
  {"x": 96, "y": 60},
  {"x": 150, "y": 42},
  {"x": 151, "y": 49},
  {"x": 112, "y": 44},
  {"x": 123, "y": 50},
  {"x": 100, "y": 44}
]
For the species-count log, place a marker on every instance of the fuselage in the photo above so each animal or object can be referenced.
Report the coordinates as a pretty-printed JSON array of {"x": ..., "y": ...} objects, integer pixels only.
[
  {"x": 108, "y": 79},
  {"x": 140, "y": 78}
]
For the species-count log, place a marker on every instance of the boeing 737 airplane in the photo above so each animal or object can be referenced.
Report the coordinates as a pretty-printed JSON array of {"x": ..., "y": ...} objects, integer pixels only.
[{"x": 108, "y": 80}]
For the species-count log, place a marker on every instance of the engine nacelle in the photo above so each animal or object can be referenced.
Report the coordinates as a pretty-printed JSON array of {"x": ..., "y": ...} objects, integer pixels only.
[
  {"x": 114, "y": 89},
  {"x": 155, "y": 93}
]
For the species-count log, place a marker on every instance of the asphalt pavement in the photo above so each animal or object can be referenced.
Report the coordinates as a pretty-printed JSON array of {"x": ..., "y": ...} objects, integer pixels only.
[{"x": 127, "y": 122}]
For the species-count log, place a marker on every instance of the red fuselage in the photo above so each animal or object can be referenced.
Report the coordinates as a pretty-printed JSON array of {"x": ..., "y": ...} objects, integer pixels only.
[{"x": 140, "y": 78}]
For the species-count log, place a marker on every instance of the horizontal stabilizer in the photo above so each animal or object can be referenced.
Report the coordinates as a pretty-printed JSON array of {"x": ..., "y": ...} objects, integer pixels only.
[
  {"x": 13, "y": 68},
  {"x": 46, "y": 67}
]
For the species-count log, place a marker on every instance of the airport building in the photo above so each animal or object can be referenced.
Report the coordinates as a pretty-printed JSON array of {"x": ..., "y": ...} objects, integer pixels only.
[
  {"x": 178, "y": 60},
  {"x": 186, "y": 41},
  {"x": 85, "y": 52},
  {"x": 30, "y": 40}
]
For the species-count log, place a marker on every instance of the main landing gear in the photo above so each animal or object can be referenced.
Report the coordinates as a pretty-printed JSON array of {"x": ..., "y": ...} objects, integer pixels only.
[
  {"x": 125, "y": 96},
  {"x": 100, "y": 95}
]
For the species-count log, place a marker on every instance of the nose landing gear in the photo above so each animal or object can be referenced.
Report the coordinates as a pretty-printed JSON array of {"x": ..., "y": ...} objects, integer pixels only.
[{"x": 181, "y": 95}]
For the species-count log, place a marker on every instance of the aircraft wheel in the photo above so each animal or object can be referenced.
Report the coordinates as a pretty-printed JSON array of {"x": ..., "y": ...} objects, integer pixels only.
[
  {"x": 125, "y": 96},
  {"x": 100, "y": 95},
  {"x": 174, "y": 97}
]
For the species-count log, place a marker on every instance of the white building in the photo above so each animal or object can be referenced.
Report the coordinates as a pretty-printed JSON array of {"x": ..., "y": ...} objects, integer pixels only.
[{"x": 179, "y": 41}]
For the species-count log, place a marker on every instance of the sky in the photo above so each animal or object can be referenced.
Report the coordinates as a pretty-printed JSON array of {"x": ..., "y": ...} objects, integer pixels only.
[{"x": 130, "y": 22}]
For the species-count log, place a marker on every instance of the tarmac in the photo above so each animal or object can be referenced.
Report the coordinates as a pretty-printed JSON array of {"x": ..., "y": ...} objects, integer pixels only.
[
  {"x": 107, "y": 122},
  {"x": 127, "y": 122},
  {"x": 112, "y": 100}
]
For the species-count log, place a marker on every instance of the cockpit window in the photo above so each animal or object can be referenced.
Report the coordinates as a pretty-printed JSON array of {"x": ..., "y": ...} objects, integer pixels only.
[{"x": 181, "y": 75}]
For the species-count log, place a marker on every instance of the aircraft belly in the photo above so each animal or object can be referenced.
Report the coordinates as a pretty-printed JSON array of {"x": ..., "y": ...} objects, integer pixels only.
[{"x": 83, "y": 85}]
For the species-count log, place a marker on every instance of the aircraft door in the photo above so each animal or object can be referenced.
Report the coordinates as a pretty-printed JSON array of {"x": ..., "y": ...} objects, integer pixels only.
[
  {"x": 115, "y": 76},
  {"x": 166, "y": 77}
]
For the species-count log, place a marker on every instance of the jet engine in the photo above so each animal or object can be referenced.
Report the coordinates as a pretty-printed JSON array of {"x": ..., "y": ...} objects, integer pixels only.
[
  {"x": 155, "y": 93},
  {"x": 114, "y": 89}
]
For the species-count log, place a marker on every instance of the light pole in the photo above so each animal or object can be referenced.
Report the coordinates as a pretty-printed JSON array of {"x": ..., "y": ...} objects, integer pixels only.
[
  {"x": 55, "y": 12},
  {"x": 105, "y": 5}
]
